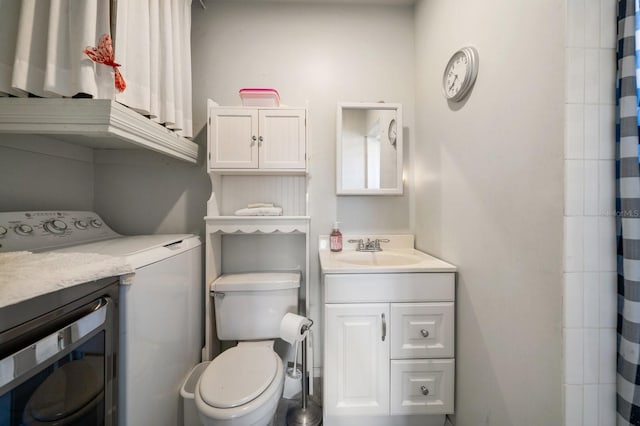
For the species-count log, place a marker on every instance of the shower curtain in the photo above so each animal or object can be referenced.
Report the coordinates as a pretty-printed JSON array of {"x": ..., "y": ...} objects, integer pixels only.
[
  {"x": 42, "y": 45},
  {"x": 628, "y": 216}
]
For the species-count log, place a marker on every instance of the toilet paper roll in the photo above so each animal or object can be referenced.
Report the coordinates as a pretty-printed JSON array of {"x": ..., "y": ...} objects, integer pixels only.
[{"x": 294, "y": 328}]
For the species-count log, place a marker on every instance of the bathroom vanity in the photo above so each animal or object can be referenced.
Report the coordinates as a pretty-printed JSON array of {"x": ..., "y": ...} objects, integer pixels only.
[{"x": 388, "y": 334}]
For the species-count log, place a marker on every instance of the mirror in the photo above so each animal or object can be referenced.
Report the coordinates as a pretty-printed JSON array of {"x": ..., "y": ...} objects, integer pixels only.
[{"x": 369, "y": 149}]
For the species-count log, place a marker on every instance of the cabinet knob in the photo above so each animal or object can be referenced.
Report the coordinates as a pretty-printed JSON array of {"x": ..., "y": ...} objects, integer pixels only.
[
  {"x": 424, "y": 333},
  {"x": 260, "y": 140},
  {"x": 424, "y": 390},
  {"x": 253, "y": 139}
]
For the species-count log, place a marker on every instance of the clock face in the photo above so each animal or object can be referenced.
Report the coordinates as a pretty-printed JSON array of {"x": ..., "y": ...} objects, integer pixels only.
[
  {"x": 460, "y": 73},
  {"x": 456, "y": 74}
]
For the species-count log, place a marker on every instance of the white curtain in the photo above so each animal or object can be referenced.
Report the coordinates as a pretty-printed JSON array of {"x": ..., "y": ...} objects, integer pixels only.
[
  {"x": 41, "y": 48},
  {"x": 42, "y": 43},
  {"x": 153, "y": 46}
]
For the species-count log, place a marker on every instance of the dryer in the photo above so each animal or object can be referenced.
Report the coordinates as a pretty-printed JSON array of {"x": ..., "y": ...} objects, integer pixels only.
[{"x": 160, "y": 306}]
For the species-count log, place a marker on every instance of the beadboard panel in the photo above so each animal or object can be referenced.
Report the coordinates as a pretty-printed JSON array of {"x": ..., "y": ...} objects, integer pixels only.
[{"x": 288, "y": 192}]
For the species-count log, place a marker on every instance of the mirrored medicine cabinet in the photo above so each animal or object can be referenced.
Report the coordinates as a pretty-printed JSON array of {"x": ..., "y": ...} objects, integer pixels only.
[{"x": 369, "y": 149}]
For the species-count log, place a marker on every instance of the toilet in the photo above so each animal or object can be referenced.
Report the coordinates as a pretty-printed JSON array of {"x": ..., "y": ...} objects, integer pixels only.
[{"x": 243, "y": 385}]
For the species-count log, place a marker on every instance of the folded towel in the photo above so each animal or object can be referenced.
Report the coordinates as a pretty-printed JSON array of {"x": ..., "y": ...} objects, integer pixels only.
[
  {"x": 260, "y": 211},
  {"x": 254, "y": 205}
]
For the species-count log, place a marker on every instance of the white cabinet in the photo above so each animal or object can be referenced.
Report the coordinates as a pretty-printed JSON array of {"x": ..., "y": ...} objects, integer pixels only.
[
  {"x": 255, "y": 154},
  {"x": 267, "y": 140},
  {"x": 394, "y": 357}
]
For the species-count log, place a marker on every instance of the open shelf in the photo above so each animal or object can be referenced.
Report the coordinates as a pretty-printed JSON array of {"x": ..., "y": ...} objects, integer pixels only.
[
  {"x": 94, "y": 123},
  {"x": 257, "y": 224}
]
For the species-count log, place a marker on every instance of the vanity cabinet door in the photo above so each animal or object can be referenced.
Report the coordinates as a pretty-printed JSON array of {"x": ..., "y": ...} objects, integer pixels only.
[
  {"x": 356, "y": 380},
  {"x": 233, "y": 138},
  {"x": 282, "y": 139}
]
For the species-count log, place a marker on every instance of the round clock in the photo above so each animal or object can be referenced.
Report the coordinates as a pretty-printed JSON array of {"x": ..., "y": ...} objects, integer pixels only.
[
  {"x": 460, "y": 73},
  {"x": 393, "y": 132}
]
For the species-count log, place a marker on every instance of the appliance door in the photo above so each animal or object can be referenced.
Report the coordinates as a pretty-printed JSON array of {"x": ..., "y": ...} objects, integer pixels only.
[{"x": 63, "y": 371}]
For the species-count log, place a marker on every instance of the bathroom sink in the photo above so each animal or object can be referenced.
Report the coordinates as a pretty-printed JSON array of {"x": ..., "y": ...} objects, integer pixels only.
[
  {"x": 380, "y": 258},
  {"x": 397, "y": 256}
]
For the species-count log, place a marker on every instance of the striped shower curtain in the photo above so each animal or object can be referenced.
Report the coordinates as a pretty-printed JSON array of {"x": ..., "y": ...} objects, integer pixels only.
[{"x": 628, "y": 216}]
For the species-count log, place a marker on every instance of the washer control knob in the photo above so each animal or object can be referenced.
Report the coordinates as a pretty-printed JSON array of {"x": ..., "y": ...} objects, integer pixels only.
[
  {"x": 81, "y": 224},
  {"x": 3, "y": 231},
  {"x": 55, "y": 226},
  {"x": 96, "y": 223},
  {"x": 23, "y": 230}
]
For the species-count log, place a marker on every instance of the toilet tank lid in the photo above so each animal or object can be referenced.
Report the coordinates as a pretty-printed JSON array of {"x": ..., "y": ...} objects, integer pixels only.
[{"x": 256, "y": 281}]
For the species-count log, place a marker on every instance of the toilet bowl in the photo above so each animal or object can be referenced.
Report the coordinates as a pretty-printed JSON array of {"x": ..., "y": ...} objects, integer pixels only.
[
  {"x": 71, "y": 395},
  {"x": 241, "y": 387}
]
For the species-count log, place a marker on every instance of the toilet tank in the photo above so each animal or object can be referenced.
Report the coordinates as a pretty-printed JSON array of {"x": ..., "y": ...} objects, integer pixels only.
[{"x": 250, "y": 306}]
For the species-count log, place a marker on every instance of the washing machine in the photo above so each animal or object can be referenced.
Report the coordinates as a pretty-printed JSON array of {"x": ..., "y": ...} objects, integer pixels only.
[{"x": 160, "y": 306}]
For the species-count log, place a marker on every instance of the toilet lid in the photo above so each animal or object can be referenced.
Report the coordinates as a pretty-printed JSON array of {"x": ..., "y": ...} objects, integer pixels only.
[
  {"x": 238, "y": 375},
  {"x": 67, "y": 390}
]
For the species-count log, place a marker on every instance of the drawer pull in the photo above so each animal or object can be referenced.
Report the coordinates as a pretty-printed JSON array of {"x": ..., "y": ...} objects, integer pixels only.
[
  {"x": 424, "y": 333},
  {"x": 424, "y": 390},
  {"x": 384, "y": 327}
]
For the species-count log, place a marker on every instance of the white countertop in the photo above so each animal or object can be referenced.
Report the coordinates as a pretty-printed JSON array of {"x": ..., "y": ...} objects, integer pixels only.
[
  {"x": 398, "y": 255},
  {"x": 24, "y": 275}
]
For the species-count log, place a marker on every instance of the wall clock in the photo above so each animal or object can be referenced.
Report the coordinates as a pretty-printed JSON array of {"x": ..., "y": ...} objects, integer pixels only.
[{"x": 460, "y": 73}]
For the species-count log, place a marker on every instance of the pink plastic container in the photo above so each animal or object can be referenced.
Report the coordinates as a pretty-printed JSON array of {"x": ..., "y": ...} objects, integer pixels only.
[{"x": 260, "y": 97}]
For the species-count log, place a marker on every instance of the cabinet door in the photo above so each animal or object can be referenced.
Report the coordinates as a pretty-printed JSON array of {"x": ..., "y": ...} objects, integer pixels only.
[
  {"x": 282, "y": 139},
  {"x": 356, "y": 361},
  {"x": 233, "y": 138}
]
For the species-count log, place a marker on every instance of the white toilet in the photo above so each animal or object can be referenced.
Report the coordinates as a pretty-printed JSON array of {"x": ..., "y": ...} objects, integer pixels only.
[{"x": 242, "y": 385}]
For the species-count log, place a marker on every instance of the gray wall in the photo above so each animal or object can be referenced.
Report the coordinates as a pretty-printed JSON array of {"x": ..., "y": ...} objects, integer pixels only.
[
  {"x": 489, "y": 196},
  {"x": 486, "y": 192},
  {"x": 315, "y": 54},
  {"x": 38, "y": 173}
]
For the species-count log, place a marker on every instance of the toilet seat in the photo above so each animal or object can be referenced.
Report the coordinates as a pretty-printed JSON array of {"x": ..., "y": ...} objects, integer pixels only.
[
  {"x": 258, "y": 411},
  {"x": 238, "y": 375}
]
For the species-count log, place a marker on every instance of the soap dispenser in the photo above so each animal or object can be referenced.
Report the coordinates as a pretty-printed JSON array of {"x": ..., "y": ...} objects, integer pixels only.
[{"x": 335, "y": 239}]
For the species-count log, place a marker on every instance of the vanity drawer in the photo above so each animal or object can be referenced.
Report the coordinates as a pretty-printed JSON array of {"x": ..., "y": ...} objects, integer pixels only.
[
  {"x": 423, "y": 386},
  {"x": 422, "y": 330},
  {"x": 402, "y": 287}
]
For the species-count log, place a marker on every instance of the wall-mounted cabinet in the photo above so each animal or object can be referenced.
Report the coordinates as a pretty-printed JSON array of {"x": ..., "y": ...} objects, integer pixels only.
[
  {"x": 369, "y": 149},
  {"x": 245, "y": 140}
]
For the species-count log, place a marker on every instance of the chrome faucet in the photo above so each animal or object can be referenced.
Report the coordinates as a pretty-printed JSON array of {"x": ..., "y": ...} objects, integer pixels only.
[{"x": 369, "y": 246}]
